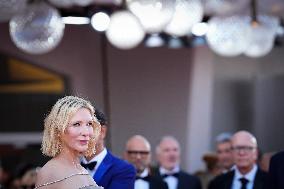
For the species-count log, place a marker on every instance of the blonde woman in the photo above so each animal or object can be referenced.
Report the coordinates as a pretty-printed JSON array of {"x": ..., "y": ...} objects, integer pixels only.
[{"x": 70, "y": 131}]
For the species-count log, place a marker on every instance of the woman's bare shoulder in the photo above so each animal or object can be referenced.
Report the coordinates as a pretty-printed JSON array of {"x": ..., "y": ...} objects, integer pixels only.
[{"x": 50, "y": 172}]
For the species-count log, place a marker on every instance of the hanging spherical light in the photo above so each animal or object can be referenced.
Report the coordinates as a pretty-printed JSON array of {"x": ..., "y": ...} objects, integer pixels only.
[
  {"x": 154, "y": 15},
  {"x": 154, "y": 40},
  {"x": 228, "y": 36},
  {"x": 257, "y": 48},
  {"x": 8, "y": 8},
  {"x": 262, "y": 35},
  {"x": 100, "y": 21},
  {"x": 124, "y": 31},
  {"x": 187, "y": 13},
  {"x": 38, "y": 29}
]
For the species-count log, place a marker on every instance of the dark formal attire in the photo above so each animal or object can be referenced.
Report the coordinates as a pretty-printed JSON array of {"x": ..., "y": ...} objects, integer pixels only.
[
  {"x": 178, "y": 179},
  {"x": 255, "y": 179},
  {"x": 276, "y": 172},
  {"x": 111, "y": 172},
  {"x": 147, "y": 181}
]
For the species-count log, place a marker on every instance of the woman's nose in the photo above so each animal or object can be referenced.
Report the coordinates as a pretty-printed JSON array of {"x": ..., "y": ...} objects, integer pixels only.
[{"x": 85, "y": 130}]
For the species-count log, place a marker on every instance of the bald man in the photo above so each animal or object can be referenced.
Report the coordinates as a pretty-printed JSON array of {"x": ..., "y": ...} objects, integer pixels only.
[
  {"x": 138, "y": 152},
  {"x": 168, "y": 157},
  {"x": 246, "y": 174}
]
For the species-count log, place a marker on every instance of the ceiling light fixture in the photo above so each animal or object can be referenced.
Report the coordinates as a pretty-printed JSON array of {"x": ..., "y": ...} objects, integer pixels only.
[
  {"x": 100, "y": 21},
  {"x": 76, "y": 20},
  {"x": 38, "y": 29},
  {"x": 124, "y": 31}
]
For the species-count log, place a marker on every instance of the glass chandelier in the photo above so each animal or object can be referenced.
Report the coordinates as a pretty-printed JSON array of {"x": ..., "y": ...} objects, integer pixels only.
[{"x": 38, "y": 29}]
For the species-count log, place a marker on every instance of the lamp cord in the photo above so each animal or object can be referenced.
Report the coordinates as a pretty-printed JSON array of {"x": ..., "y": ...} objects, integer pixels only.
[{"x": 254, "y": 11}]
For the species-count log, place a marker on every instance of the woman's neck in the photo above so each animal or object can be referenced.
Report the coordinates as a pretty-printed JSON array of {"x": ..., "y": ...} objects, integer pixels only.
[{"x": 70, "y": 158}]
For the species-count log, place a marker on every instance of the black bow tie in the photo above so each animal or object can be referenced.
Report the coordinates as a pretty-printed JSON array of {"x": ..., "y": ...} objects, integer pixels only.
[
  {"x": 89, "y": 166},
  {"x": 143, "y": 178},
  {"x": 167, "y": 175}
]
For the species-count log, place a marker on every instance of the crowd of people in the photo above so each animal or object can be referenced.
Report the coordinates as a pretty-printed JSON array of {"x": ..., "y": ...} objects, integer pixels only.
[{"x": 74, "y": 139}]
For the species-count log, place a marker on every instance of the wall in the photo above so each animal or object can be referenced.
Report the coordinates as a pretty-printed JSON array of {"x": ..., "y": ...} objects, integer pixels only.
[
  {"x": 149, "y": 94},
  {"x": 269, "y": 101},
  {"x": 200, "y": 109}
]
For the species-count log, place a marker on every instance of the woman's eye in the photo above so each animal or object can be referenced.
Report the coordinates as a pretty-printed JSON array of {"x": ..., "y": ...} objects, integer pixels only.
[
  {"x": 76, "y": 124},
  {"x": 90, "y": 124}
]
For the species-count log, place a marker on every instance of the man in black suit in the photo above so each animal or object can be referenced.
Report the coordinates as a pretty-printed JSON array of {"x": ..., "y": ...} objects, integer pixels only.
[
  {"x": 276, "y": 172},
  {"x": 138, "y": 152},
  {"x": 245, "y": 174},
  {"x": 168, "y": 157}
]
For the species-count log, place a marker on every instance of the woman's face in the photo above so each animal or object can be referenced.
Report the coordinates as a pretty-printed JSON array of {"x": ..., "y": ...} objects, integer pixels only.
[{"x": 79, "y": 131}]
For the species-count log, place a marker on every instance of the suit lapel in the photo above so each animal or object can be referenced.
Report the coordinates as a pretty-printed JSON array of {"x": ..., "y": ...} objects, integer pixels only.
[
  {"x": 151, "y": 184},
  {"x": 258, "y": 181},
  {"x": 183, "y": 181},
  {"x": 229, "y": 182},
  {"x": 180, "y": 184},
  {"x": 103, "y": 168}
]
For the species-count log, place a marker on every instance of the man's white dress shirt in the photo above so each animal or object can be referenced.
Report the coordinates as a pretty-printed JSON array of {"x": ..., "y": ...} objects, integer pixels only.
[
  {"x": 140, "y": 183},
  {"x": 98, "y": 158},
  {"x": 172, "y": 181},
  {"x": 249, "y": 176}
]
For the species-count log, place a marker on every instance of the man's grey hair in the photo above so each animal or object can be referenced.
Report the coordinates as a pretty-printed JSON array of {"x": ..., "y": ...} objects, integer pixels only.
[
  {"x": 223, "y": 137},
  {"x": 166, "y": 138}
]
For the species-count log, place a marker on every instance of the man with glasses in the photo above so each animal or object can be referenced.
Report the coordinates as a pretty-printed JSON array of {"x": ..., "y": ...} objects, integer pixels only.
[
  {"x": 246, "y": 174},
  {"x": 168, "y": 157},
  {"x": 138, "y": 152}
]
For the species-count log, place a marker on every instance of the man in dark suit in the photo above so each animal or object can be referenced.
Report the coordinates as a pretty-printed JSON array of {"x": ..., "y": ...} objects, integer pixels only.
[
  {"x": 138, "y": 152},
  {"x": 276, "y": 172},
  {"x": 107, "y": 170},
  {"x": 245, "y": 174},
  {"x": 168, "y": 157}
]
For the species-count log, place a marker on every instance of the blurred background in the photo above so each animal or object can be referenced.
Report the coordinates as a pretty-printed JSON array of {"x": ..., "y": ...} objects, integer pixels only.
[{"x": 188, "y": 68}]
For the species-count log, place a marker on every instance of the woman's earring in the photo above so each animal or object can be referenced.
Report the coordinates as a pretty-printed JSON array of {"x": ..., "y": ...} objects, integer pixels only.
[{"x": 59, "y": 147}]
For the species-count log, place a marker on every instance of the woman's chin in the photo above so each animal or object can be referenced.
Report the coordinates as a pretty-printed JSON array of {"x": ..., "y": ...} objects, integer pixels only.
[{"x": 82, "y": 150}]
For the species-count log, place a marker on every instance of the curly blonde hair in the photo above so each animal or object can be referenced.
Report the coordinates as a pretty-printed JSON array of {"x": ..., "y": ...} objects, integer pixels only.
[{"x": 58, "y": 119}]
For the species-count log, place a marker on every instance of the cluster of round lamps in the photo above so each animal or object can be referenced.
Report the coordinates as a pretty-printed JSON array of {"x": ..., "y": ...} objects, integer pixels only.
[{"x": 38, "y": 28}]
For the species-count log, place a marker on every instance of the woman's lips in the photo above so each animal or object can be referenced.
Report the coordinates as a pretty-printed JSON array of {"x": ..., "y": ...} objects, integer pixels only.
[{"x": 84, "y": 142}]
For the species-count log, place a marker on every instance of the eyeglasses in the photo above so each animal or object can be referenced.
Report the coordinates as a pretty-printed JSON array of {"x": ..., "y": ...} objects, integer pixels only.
[
  {"x": 245, "y": 149},
  {"x": 223, "y": 151},
  {"x": 135, "y": 153}
]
